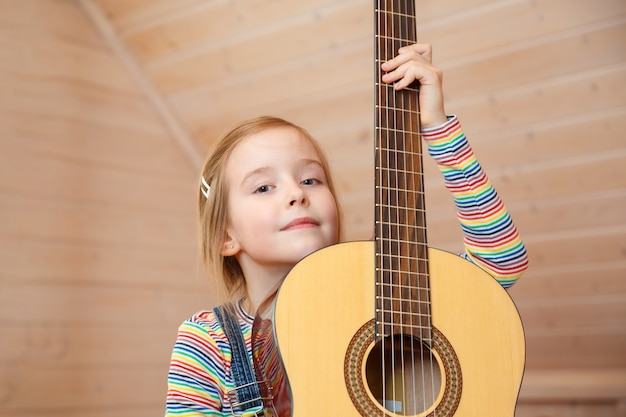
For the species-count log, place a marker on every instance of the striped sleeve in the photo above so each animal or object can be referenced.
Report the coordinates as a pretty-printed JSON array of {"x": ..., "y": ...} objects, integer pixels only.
[
  {"x": 200, "y": 377},
  {"x": 490, "y": 236},
  {"x": 197, "y": 371}
]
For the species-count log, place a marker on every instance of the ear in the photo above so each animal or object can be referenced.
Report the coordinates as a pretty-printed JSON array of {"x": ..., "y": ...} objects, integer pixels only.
[{"x": 230, "y": 247}]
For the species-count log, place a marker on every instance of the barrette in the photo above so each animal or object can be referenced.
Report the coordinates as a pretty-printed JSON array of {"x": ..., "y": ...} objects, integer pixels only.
[{"x": 205, "y": 188}]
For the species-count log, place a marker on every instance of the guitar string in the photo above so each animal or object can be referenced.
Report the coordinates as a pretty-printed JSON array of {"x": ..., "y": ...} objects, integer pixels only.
[
  {"x": 380, "y": 289},
  {"x": 410, "y": 169},
  {"x": 403, "y": 106},
  {"x": 425, "y": 289},
  {"x": 400, "y": 401},
  {"x": 390, "y": 118},
  {"x": 418, "y": 263}
]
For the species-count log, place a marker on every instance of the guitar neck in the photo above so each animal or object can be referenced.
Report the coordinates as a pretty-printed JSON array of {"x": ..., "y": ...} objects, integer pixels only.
[{"x": 403, "y": 301}]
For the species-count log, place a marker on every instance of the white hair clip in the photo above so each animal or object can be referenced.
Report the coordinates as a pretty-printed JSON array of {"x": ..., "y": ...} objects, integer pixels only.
[{"x": 205, "y": 188}]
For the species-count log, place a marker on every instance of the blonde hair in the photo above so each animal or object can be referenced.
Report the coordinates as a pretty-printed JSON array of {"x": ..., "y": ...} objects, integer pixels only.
[{"x": 213, "y": 207}]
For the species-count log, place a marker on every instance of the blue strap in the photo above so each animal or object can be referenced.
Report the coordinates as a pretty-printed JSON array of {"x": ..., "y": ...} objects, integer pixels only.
[{"x": 247, "y": 392}]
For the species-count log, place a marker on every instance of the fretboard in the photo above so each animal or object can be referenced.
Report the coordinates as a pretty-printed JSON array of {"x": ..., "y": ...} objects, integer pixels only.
[{"x": 402, "y": 284}]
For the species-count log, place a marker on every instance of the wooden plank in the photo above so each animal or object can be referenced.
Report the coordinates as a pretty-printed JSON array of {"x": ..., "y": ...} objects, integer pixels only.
[
  {"x": 127, "y": 14},
  {"x": 273, "y": 84},
  {"x": 538, "y": 61},
  {"x": 61, "y": 20},
  {"x": 31, "y": 389},
  {"x": 565, "y": 248},
  {"x": 83, "y": 261},
  {"x": 582, "y": 385},
  {"x": 572, "y": 279},
  {"x": 511, "y": 22},
  {"x": 602, "y": 310},
  {"x": 66, "y": 61},
  {"x": 329, "y": 29},
  {"x": 78, "y": 181},
  {"x": 573, "y": 408},
  {"x": 598, "y": 90},
  {"x": 177, "y": 35},
  {"x": 98, "y": 144},
  {"x": 68, "y": 98},
  {"x": 567, "y": 348},
  {"x": 97, "y": 305},
  {"x": 45, "y": 344},
  {"x": 148, "y": 410},
  {"x": 550, "y": 139},
  {"x": 433, "y": 10}
]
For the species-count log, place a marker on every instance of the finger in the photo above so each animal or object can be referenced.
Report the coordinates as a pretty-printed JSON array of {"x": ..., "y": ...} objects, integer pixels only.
[
  {"x": 408, "y": 56},
  {"x": 425, "y": 50}
]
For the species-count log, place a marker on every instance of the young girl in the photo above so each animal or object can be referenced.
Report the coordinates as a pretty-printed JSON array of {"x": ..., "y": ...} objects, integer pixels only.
[{"x": 266, "y": 200}]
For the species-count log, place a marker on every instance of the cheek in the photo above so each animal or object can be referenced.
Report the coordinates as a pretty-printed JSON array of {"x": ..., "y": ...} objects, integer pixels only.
[
  {"x": 332, "y": 213},
  {"x": 253, "y": 223}
]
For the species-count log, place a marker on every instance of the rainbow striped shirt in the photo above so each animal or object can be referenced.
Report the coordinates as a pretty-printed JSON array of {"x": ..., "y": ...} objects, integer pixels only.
[
  {"x": 199, "y": 375},
  {"x": 490, "y": 237}
]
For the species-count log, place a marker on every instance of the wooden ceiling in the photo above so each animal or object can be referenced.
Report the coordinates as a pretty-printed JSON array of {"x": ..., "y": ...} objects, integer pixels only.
[{"x": 539, "y": 85}]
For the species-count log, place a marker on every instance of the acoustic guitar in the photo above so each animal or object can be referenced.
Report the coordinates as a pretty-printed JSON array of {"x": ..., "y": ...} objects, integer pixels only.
[{"x": 390, "y": 327}]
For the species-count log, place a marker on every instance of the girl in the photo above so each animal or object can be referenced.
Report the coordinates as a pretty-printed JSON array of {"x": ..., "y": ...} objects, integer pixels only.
[{"x": 266, "y": 200}]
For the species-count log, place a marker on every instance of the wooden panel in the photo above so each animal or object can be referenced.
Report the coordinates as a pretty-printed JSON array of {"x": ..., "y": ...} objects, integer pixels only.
[
  {"x": 235, "y": 58},
  {"x": 564, "y": 346},
  {"x": 81, "y": 388},
  {"x": 98, "y": 240},
  {"x": 510, "y": 23},
  {"x": 552, "y": 99},
  {"x": 76, "y": 345},
  {"x": 216, "y": 24},
  {"x": 81, "y": 181},
  {"x": 77, "y": 262},
  {"x": 542, "y": 59},
  {"x": 573, "y": 279},
  {"x": 582, "y": 385},
  {"x": 574, "y": 409},
  {"x": 95, "y": 143}
]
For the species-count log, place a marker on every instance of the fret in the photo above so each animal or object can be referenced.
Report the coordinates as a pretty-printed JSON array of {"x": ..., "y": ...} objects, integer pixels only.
[
  {"x": 400, "y": 111},
  {"x": 395, "y": 272},
  {"x": 405, "y": 314},
  {"x": 394, "y": 13},
  {"x": 404, "y": 286},
  {"x": 393, "y": 39},
  {"x": 398, "y": 171},
  {"x": 420, "y": 332},
  {"x": 402, "y": 225},
  {"x": 390, "y": 189},
  {"x": 403, "y": 242},
  {"x": 390, "y": 86},
  {"x": 394, "y": 129}
]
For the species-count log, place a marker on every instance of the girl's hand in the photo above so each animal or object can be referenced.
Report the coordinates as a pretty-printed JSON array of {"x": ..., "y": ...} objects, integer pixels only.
[{"x": 412, "y": 63}]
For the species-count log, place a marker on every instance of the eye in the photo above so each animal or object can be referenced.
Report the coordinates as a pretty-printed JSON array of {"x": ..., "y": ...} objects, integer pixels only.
[
  {"x": 263, "y": 189},
  {"x": 310, "y": 181}
]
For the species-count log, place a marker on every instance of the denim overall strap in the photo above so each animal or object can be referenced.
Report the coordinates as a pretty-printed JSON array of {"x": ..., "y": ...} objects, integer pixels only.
[{"x": 247, "y": 392}]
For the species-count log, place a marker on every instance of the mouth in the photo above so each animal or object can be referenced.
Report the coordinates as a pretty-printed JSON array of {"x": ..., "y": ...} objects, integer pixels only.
[{"x": 301, "y": 223}]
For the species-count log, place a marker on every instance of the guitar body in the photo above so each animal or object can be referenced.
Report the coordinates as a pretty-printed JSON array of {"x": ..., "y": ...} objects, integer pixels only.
[{"x": 323, "y": 325}]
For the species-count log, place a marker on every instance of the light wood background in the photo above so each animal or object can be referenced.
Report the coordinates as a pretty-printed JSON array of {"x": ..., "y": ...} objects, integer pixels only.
[{"x": 107, "y": 108}]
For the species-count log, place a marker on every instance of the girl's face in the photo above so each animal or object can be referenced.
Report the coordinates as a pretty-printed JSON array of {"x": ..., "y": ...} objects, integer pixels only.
[{"x": 280, "y": 208}]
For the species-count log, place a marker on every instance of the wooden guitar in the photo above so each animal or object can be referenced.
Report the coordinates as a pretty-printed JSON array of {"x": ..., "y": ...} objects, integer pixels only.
[{"x": 390, "y": 327}]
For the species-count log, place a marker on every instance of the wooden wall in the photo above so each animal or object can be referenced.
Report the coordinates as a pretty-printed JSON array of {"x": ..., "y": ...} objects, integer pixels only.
[{"x": 98, "y": 260}]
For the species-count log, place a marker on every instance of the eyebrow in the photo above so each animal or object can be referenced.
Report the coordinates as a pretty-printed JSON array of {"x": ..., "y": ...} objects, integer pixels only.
[
  {"x": 251, "y": 174},
  {"x": 261, "y": 170}
]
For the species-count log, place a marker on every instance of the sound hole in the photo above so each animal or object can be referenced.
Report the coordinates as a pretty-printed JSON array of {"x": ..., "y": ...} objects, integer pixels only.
[{"x": 403, "y": 375}]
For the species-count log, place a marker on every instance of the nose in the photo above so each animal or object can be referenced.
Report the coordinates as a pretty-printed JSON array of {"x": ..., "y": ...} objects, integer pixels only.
[{"x": 297, "y": 196}]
